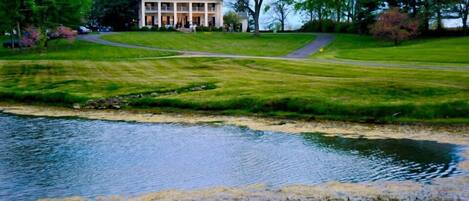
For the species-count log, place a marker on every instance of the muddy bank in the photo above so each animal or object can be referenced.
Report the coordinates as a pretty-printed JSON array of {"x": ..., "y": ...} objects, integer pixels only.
[
  {"x": 454, "y": 188},
  {"x": 444, "y": 134},
  {"x": 442, "y": 189}
]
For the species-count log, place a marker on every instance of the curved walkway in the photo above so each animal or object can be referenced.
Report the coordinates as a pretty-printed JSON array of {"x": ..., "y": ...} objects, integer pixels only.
[
  {"x": 301, "y": 54},
  {"x": 321, "y": 41},
  {"x": 96, "y": 38}
]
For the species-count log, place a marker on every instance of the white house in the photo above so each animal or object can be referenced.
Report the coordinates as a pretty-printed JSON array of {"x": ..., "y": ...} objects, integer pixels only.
[{"x": 181, "y": 13}]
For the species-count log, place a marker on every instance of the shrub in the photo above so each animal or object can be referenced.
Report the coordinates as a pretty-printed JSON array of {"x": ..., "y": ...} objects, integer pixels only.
[
  {"x": 144, "y": 29},
  {"x": 154, "y": 28},
  {"x": 328, "y": 26},
  {"x": 31, "y": 37},
  {"x": 134, "y": 28},
  {"x": 203, "y": 29},
  {"x": 65, "y": 32},
  {"x": 170, "y": 29},
  {"x": 395, "y": 26},
  {"x": 162, "y": 28}
]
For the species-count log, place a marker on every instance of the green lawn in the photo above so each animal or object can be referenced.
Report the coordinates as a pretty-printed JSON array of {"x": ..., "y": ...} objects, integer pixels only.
[
  {"x": 245, "y": 86},
  {"x": 228, "y": 43},
  {"x": 78, "y": 50},
  {"x": 439, "y": 50}
]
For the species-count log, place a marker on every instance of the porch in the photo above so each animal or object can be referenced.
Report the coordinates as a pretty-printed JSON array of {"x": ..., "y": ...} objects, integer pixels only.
[{"x": 180, "y": 14}]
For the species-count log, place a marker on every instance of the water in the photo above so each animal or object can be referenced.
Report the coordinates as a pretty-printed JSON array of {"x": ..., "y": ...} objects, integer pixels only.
[{"x": 44, "y": 157}]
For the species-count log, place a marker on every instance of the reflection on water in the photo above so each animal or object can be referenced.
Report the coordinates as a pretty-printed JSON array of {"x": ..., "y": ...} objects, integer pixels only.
[{"x": 43, "y": 157}]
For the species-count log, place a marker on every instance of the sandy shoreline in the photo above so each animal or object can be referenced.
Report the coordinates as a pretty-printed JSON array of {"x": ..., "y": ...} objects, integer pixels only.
[
  {"x": 444, "y": 134},
  {"x": 453, "y": 188}
]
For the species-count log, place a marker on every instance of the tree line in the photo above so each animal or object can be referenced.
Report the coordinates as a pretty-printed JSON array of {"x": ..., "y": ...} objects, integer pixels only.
[{"x": 358, "y": 15}]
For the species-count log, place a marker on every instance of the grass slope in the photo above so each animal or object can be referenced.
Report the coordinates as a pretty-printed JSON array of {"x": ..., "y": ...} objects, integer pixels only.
[
  {"x": 78, "y": 50},
  {"x": 228, "y": 43},
  {"x": 439, "y": 50},
  {"x": 246, "y": 86}
]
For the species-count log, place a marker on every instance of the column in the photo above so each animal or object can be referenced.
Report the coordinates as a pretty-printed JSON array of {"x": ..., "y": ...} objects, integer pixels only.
[
  {"x": 159, "y": 14},
  {"x": 206, "y": 14},
  {"x": 220, "y": 13},
  {"x": 175, "y": 18},
  {"x": 190, "y": 13},
  {"x": 142, "y": 14}
]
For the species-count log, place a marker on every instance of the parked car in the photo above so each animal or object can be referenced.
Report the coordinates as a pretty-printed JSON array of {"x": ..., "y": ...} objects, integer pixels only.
[
  {"x": 83, "y": 30},
  {"x": 10, "y": 43},
  {"x": 105, "y": 29}
]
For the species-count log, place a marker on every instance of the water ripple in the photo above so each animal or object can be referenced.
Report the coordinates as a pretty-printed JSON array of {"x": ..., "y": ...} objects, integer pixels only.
[{"x": 42, "y": 157}]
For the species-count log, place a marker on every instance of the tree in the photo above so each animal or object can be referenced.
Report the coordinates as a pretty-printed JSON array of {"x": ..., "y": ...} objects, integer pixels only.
[
  {"x": 462, "y": 8},
  {"x": 43, "y": 14},
  {"x": 338, "y": 6},
  {"x": 13, "y": 14},
  {"x": 231, "y": 19},
  {"x": 49, "y": 14},
  {"x": 253, "y": 7},
  {"x": 281, "y": 9},
  {"x": 119, "y": 14},
  {"x": 307, "y": 7},
  {"x": 394, "y": 25}
]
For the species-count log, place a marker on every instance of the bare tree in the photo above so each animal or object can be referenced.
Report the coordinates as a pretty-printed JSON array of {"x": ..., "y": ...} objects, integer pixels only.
[
  {"x": 463, "y": 9},
  {"x": 281, "y": 9},
  {"x": 253, "y": 7}
]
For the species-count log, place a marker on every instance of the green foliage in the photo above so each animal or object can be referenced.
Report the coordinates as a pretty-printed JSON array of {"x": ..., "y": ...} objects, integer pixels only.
[
  {"x": 43, "y": 14},
  {"x": 119, "y": 14},
  {"x": 328, "y": 26},
  {"x": 163, "y": 29},
  {"x": 202, "y": 29},
  {"x": 231, "y": 18},
  {"x": 279, "y": 10}
]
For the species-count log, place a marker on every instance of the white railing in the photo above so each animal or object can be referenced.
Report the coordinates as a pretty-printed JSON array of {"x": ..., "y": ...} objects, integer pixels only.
[
  {"x": 183, "y": 8},
  {"x": 151, "y": 8},
  {"x": 199, "y": 9},
  {"x": 167, "y": 9}
]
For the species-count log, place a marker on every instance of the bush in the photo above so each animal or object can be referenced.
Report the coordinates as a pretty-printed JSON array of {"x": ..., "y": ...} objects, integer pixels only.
[
  {"x": 328, "y": 26},
  {"x": 345, "y": 27},
  {"x": 170, "y": 29},
  {"x": 154, "y": 28},
  {"x": 209, "y": 29},
  {"x": 144, "y": 29},
  {"x": 134, "y": 28},
  {"x": 394, "y": 26},
  {"x": 162, "y": 28}
]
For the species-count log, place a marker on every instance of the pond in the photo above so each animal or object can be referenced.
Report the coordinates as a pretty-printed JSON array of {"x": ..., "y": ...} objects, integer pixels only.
[{"x": 50, "y": 157}]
